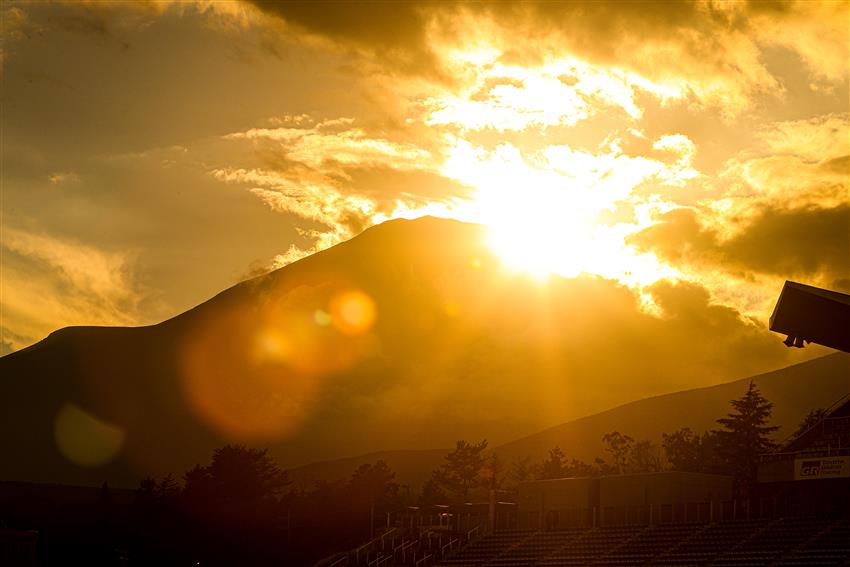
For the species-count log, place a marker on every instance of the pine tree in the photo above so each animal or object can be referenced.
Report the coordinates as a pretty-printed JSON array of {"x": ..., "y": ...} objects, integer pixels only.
[
  {"x": 462, "y": 470},
  {"x": 745, "y": 436}
]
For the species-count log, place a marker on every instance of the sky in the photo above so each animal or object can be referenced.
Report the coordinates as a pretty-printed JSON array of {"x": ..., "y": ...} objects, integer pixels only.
[{"x": 155, "y": 153}]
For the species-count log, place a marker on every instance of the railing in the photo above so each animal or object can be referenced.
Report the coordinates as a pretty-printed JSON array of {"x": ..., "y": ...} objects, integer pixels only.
[
  {"x": 424, "y": 561},
  {"x": 341, "y": 562},
  {"x": 827, "y": 411},
  {"x": 450, "y": 546},
  {"x": 372, "y": 542},
  {"x": 828, "y": 451},
  {"x": 380, "y": 560}
]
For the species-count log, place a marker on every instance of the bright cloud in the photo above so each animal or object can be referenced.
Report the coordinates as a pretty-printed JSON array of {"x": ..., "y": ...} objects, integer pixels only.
[{"x": 70, "y": 283}]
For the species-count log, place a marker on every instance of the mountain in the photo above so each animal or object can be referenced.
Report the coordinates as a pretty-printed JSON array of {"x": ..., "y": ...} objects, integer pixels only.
[
  {"x": 410, "y": 335},
  {"x": 793, "y": 390}
]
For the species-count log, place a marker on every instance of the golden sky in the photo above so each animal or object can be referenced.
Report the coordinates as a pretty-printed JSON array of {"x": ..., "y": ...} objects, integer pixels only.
[{"x": 155, "y": 153}]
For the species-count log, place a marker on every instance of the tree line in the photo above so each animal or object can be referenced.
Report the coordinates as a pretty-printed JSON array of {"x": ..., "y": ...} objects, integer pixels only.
[
  {"x": 242, "y": 507},
  {"x": 733, "y": 448}
]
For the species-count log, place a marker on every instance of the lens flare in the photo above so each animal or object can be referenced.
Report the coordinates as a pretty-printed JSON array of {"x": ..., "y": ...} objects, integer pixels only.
[
  {"x": 353, "y": 312},
  {"x": 256, "y": 375},
  {"x": 84, "y": 439}
]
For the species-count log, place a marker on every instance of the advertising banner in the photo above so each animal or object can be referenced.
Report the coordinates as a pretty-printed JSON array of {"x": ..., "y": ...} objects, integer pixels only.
[{"x": 821, "y": 467}]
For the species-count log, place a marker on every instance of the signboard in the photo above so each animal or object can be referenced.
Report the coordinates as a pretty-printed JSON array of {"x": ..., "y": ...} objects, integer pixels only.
[{"x": 821, "y": 467}]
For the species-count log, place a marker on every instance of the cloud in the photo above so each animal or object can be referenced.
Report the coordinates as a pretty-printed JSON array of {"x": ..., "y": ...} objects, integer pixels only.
[
  {"x": 793, "y": 164},
  {"x": 50, "y": 282},
  {"x": 512, "y": 97},
  {"x": 805, "y": 242},
  {"x": 708, "y": 52},
  {"x": 813, "y": 139},
  {"x": 334, "y": 144},
  {"x": 336, "y": 174},
  {"x": 816, "y": 31},
  {"x": 63, "y": 177},
  {"x": 392, "y": 31}
]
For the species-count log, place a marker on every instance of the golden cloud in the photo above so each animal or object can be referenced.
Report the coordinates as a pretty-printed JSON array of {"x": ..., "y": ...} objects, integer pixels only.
[
  {"x": 71, "y": 283},
  {"x": 711, "y": 53}
]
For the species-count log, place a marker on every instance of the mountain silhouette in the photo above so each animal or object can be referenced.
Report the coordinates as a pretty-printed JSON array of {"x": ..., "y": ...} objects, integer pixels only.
[
  {"x": 794, "y": 390},
  {"x": 410, "y": 335}
]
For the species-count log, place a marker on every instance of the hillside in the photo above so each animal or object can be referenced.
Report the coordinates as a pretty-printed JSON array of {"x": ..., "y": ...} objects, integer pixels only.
[
  {"x": 410, "y": 335},
  {"x": 793, "y": 390}
]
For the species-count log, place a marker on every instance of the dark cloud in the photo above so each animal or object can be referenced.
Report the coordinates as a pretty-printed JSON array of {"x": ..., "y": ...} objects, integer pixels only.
[
  {"x": 693, "y": 39},
  {"x": 836, "y": 165},
  {"x": 394, "y": 31},
  {"x": 781, "y": 242}
]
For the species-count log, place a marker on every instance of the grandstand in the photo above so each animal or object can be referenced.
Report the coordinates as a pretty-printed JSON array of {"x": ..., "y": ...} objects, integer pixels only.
[
  {"x": 799, "y": 515},
  {"x": 742, "y": 543}
]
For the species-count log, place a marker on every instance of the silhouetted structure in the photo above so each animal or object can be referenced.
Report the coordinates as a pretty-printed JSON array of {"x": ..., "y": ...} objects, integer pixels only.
[
  {"x": 663, "y": 497},
  {"x": 810, "y": 314},
  {"x": 810, "y": 473}
]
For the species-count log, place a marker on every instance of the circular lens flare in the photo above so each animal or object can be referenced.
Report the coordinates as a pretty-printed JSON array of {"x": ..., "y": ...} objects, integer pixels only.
[{"x": 353, "y": 312}]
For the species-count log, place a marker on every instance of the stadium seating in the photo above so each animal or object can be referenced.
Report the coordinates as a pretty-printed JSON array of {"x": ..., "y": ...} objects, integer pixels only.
[{"x": 746, "y": 543}]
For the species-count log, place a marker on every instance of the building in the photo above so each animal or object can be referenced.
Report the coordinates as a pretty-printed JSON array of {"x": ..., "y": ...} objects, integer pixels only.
[
  {"x": 647, "y": 498},
  {"x": 810, "y": 474}
]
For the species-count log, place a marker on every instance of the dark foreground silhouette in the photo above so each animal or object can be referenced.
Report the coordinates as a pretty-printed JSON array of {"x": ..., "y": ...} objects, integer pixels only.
[{"x": 243, "y": 509}]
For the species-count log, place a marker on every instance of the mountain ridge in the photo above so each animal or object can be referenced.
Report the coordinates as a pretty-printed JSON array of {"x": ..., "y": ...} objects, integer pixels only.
[
  {"x": 831, "y": 373},
  {"x": 445, "y": 343}
]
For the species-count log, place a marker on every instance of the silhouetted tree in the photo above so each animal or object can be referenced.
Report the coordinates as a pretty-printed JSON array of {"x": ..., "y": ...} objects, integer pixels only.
[
  {"x": 687, "y": 451},
  {"x": 554, "y": 466},
  {"x": 247, "y": 474},
  {"x": 812, "y": 418},
  {"x": 235, "y": 505},
  {"x": 462, "y": 470},
  {"x": 644, "y": 457},
  {"x": 604, "y": 468},
  {"x": 577, "y": 467},
  {"x": 521, "y": 471},
  {"x": 432, "y": 492},
  {"x": 745, "y": 436},
  {"x": 374, "y": 484},
  {"x": 682, "y": 449},
  {"x": 619, "y": 446}
]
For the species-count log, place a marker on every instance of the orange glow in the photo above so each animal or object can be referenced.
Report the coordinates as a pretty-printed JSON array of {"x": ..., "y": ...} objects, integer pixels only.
[
  {"x": 257, "y": 375},
  {"x": 353, "y": 312},
  {"x": 84, "y": 439}
]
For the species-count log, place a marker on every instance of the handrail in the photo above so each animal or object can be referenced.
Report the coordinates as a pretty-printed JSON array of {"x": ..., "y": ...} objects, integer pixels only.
[
  {"x": 374, "y": 540},
  {"x": 385, "y": 534},
  {"x": 806, "y": 453},
  {"x": 378, "y": 561},
  {"x": 340, "y": 561},
  {"x": 450, "y": 545},
  {"x": 402, "y": 547},
  {"x": 424, "y": 560},
  {"x": 826, "y": 411}
]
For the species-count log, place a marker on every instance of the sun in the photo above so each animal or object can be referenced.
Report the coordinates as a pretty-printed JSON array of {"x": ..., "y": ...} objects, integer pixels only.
[
  {"x": 543, "y": 224},
  {"x": 540, "y": 237}
]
